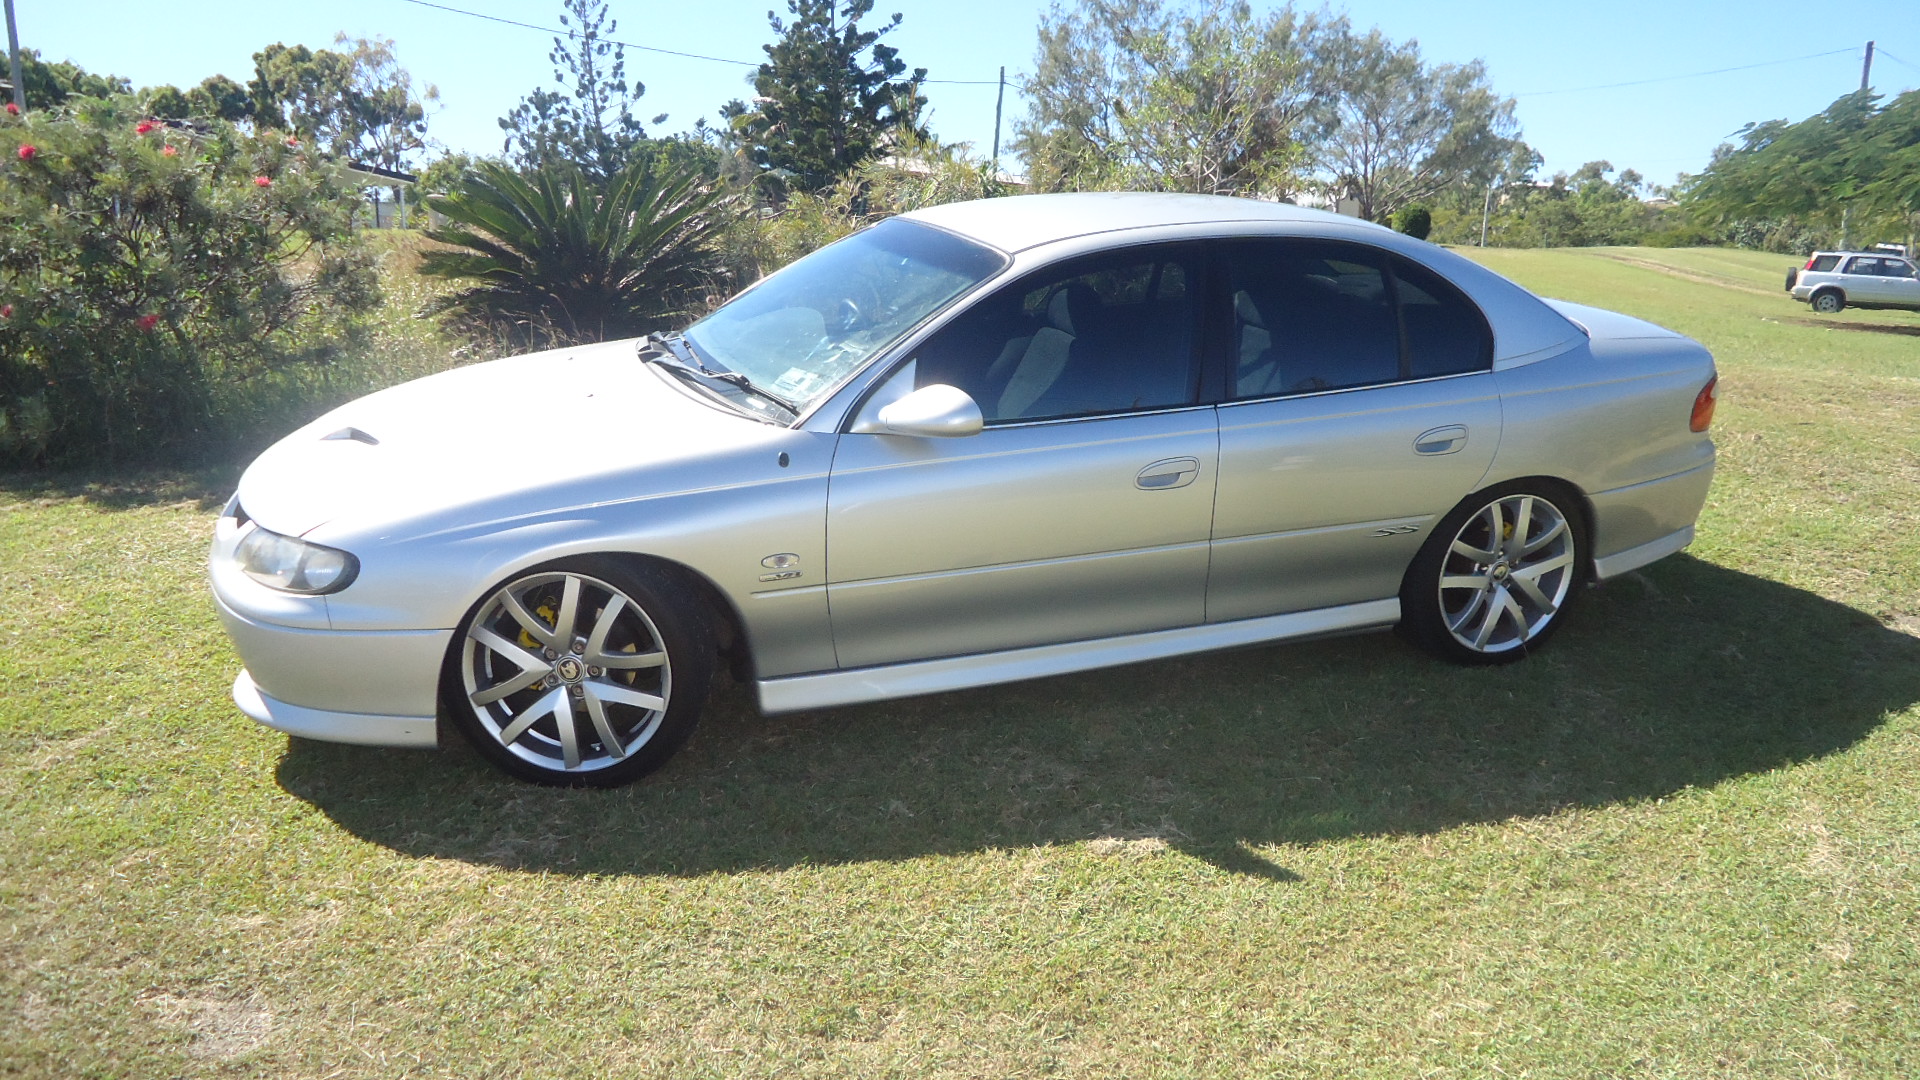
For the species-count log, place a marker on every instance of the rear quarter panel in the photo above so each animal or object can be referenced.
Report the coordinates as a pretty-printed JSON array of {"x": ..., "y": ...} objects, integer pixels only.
[{"x": 1611, "y": 416}]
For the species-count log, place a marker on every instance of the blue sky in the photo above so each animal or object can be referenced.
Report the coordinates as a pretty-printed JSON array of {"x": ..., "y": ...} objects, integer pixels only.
[{"x": 1562, "y": 62}]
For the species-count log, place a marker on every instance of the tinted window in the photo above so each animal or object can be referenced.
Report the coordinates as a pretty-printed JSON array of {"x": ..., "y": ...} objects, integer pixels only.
[
  {"x": 1096, "y": 336},
  {"x": 1825, "y": 263},
  {"x": 1309, "y": 316},
  {"x": 1446, "y": 334},
  {"x": 1865, "y": 267}
]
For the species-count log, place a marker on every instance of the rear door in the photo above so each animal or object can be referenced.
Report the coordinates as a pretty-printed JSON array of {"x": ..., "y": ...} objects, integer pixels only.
[
  {"x": 1082, "y": 510},
  {"x": 1362, "y": 408}
]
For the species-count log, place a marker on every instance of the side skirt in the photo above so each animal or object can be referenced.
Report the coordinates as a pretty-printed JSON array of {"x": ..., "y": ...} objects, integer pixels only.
[{"x": 795, "y": 692}]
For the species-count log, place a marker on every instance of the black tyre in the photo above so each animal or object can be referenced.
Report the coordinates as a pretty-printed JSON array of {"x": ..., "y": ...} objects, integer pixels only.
[
  {"x": 585, "y": 673},
  {"x": 1497, "y": 576},
  {"x": 1829, "y": 302},
  {"x": 1793, "y": 277}
]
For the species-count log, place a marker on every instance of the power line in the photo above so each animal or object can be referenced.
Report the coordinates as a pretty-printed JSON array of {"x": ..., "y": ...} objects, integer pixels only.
[
  {"x": 1885, "y": 55},
  {"x": 1676, "y": 78},
  {"x": 654, "y": 49}
]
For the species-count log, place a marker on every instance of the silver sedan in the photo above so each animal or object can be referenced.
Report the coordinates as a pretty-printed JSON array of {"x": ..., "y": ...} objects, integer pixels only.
[{"x": 976, "y": 443}]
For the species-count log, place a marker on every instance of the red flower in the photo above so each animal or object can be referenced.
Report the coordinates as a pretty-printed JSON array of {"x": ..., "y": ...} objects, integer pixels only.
[
  {"x": 168, "y": 151},
  {"x": 261, "y": 181},
  {"x": 144, "y": 126},
  {"x": 12, "y": 109},
  {"x": 293, "y": 142},
  {"x": 27, "y": 152},
  {"x": 147, "y": 322},
  {"x": 6, "y": 311}
]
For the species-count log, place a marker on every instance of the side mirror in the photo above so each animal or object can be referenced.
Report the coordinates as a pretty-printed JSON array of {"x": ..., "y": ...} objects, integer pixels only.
[{"x": 938, "y": 411}]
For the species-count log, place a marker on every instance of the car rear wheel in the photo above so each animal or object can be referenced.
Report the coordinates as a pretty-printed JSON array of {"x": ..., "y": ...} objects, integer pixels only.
[
  {"x": 1494, "y": 581},
  {"x": 1828, "y": 302},
  {"x": 582, "y": 673}
]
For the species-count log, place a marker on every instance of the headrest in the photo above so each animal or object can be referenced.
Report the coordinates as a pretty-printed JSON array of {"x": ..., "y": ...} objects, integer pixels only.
[
  {"x": 1075, "y": 306},
  {"x": 1244, "y": 310}
]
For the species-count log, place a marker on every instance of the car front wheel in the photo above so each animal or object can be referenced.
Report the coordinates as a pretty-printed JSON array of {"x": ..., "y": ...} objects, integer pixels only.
[
  {"x": 1496, "y": 578},
  {"x": 584, "y": 673}
]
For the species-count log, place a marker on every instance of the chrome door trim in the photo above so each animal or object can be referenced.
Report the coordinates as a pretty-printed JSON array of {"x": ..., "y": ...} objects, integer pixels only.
[{"x": 832, "y": 688}]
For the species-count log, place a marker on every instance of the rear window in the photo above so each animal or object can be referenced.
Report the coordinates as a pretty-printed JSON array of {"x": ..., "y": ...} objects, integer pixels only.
[{"x": 1824, "y": 263}]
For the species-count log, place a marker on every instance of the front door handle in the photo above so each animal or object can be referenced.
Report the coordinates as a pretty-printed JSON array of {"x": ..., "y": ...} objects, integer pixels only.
[
  {"x": 1440, "y": 440},
  {"x": 1168, "y": 473}
]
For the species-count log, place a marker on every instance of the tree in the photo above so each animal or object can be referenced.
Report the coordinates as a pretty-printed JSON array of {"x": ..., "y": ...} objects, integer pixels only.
[
  {"x": 1851, "y": 168},
  {"x": 555, "y": 257},
  {"x": 155, "y": 283},
  {"x": 1397, "y": 131},
  {"x": 358, "y": 105},
  {"x": 47, "y": 85},
  {"x": 221, "y": 98},
  {"x": 828, "y": 97},
  {"x": 1131, "y": 94},
  {"x": 589, "y": 121}
]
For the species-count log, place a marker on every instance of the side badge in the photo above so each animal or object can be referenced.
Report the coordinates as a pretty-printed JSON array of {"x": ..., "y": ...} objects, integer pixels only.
[{"x": 785, "y": 567}]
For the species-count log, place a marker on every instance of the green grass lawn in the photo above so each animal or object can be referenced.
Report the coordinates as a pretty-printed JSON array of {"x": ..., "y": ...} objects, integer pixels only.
[{"x": 1681, "y": 842}]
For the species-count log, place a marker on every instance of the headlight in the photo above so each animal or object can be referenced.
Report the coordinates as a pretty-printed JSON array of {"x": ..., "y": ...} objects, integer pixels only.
[{"x": 292, "y": 565}]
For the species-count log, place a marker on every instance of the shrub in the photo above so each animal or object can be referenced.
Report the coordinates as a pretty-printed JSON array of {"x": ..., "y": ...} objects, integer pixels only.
[
  {"x": 554, "y": 259},
  {"x": 1415, "y": 220},
  {"x": 162, "y": 285}
]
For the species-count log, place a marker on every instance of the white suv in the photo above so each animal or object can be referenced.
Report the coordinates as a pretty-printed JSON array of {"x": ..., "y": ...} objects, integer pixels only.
[{"x": 1833, "y": 280}]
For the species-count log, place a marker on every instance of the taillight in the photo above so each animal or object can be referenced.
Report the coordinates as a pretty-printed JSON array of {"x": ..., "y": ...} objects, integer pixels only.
[
  {"x": 1809, "y": 265},
  {"x": 1703, "y": 403}
]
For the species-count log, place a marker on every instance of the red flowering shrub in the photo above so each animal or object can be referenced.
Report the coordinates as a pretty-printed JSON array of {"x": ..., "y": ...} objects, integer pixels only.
[
  {"x": 12, "y": 109},
  {"x": 144, "y": 126},
  {"x": 175, "y": 304},
  {"x": 261, "y": 181}
]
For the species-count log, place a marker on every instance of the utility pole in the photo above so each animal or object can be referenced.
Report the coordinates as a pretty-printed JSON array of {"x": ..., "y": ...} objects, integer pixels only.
[
  {"x": 1486, "y": 209},
  {"x": 13, "y": 60},
  {"x": 1866, "y": 66},
  {"x": 997, "y": 101}
]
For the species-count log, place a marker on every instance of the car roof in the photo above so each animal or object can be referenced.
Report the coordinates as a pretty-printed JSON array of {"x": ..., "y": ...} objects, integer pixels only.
[{"x": 1024, "y": 221}]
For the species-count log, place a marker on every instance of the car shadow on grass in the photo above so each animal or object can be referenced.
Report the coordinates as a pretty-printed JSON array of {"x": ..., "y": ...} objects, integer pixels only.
[
  {"x": 1684, "y": 675},
  {"x": 1863, "y": 327}
]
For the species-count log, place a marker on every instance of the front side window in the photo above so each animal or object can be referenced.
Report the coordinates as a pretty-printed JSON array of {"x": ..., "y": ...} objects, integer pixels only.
[
  {"x": 1313, "y": 315},
  {"x": 803, "y": 329},
  {"x": 1114, "y": 333}
]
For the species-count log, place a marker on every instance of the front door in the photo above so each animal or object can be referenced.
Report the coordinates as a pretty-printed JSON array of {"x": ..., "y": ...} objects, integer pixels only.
[{"x": 1083, "y": 510}]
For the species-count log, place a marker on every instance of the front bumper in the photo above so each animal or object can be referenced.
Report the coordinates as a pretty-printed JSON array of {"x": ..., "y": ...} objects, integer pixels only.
[
  {"x": 359, "y": 728},
  {"x": 375, "y": 688}
]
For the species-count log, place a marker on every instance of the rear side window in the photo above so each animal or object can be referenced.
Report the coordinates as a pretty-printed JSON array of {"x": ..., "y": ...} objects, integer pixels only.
[
  {"x": 1316, "y": 315},
  {"x": 1824, "y": 263},
  {"x": 1446, "y": 334}
]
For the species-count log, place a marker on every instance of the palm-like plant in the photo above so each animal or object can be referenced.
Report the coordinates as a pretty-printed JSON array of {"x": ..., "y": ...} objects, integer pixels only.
[{"x": 556, "y": 260}]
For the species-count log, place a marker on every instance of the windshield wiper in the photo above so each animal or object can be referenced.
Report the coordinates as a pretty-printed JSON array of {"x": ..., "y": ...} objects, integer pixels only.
[{"x": 673, "y": 350}]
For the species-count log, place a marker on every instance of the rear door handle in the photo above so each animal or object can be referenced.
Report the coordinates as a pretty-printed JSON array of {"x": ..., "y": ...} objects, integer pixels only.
[
  {"x": 1168, "y": 473},
  {"x": 1440, "y": 440}
]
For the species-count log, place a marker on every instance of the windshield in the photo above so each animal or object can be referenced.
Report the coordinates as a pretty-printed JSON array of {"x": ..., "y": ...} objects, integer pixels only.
[{"x": 803, "y": 329}]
